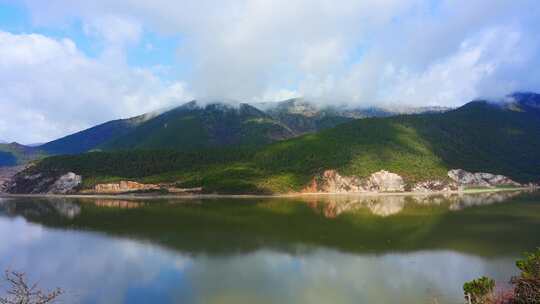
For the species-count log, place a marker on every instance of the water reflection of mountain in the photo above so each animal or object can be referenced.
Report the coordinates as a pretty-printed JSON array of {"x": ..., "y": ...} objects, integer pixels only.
[
  {"x": 387, "y": 205},
  {"x": 376, "y": 224}
]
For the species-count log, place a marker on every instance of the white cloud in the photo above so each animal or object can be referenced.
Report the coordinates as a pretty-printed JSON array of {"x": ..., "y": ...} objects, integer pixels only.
[
  {"x": 358, "y": 52},
  {"x": 50, "y": 88},
  {"x": 476, "y": 69}
]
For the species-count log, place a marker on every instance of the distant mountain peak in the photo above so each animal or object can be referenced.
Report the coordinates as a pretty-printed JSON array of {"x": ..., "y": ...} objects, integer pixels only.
[{"x": 522, "y": 101}]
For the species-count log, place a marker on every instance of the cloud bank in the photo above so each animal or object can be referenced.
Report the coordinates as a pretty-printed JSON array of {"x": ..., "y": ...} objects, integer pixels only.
[{"x": 370, "y": 52}]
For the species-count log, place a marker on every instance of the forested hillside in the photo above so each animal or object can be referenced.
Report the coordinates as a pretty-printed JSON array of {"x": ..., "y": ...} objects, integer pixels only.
[{"x": 478, "y": 137}]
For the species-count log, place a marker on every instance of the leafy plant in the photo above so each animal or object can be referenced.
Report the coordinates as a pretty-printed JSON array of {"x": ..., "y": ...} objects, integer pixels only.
[
  {"x": 479, "y": 291},
  {"x": 527, "y": 284}
]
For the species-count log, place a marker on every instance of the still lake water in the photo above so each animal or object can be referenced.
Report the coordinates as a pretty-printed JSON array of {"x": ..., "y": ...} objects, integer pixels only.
[{"x": 335, "y": 249}]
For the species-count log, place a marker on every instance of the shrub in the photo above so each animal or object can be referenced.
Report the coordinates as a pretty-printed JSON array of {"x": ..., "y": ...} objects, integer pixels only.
[
  {"x": 479, "y": 291},
  {"x": 527, "y": 284}
]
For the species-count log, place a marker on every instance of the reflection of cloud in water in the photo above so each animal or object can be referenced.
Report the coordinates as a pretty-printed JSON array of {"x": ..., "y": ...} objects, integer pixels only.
[
  {"x": 92, "y": 268},
  {"x": 387, "y": 205},
  {"x": 95, "y": 268}
]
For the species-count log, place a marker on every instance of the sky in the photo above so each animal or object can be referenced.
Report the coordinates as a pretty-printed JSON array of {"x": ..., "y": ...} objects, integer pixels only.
[{"x": 67, "y": 65}]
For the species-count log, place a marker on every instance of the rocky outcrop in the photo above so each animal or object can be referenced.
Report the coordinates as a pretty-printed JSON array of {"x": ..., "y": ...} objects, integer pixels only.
[
  {"x": 65, "y": 184},
  {"x": 384, "y": 181},
  {"x": 123, "y": 187},
  {"x": 332, "y": 182},
  {"x": 7, "y": 174},
  {"x": 131, "y": 186},
  {"x": 435, "y": 186},
  {"x": 44, "y": 183},
  {"x": 480, "y": 179}
]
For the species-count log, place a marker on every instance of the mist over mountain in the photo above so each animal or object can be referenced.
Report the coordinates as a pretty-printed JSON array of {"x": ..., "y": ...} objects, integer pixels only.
[
  {"x": 212, "y": 123},
  {"x": 216, "y": 122},
  {"x": 500, "y": 137}
]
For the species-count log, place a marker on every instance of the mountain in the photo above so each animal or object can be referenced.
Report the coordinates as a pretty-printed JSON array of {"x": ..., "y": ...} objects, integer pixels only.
[
  {"x": 92, "y": 138},
  {"x": 303, "y": 116},
  {"x": 529, "y": 102},
  {"x": 192, "y": 126},
  {"x": 480, "y": 137},
  {"x": 15, "y": 153}
]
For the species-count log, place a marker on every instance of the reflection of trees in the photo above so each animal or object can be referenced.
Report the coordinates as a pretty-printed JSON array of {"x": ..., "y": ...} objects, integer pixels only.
[
  {"x": 375, "y": 223},
  {"x": 386, "y": 205}
]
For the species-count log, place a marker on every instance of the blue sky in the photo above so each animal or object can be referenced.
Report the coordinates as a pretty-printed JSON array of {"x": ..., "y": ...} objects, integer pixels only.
[
  {"x": 66, "y": 65},
  {"x": 152, "y": 50}
]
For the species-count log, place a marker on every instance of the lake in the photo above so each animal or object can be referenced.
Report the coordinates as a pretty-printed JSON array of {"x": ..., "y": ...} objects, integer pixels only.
[{"x": 314, "y": 249}]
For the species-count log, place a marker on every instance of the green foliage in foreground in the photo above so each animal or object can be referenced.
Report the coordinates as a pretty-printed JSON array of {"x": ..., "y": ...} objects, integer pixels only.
[
  {"x": 526, "y": 285},
  {"x": 476, "y": 137},
  {"x": 479, "y": 291}
]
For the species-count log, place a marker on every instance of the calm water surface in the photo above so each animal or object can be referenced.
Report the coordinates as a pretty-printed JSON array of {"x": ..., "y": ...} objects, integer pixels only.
[{"x": 344, "y": 249}]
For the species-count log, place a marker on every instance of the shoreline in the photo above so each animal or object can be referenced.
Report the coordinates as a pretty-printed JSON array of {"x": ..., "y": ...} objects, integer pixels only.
[{"x": 248, "y": 196}]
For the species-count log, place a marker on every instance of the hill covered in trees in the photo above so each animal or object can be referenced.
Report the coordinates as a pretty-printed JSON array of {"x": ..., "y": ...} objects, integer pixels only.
[{"x": 480, "y": 136}]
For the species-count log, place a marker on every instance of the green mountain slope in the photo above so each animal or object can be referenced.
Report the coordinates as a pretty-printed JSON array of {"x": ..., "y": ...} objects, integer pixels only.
[
  {"x": 191, "y": 127},
  {"x": 477, "y": 137},
  {"x": 91, "y": 138}
]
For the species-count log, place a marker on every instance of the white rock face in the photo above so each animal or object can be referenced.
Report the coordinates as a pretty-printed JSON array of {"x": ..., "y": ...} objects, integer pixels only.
[
  {"x": 481, "y": 179},
  {"x": 435, "y": 185},
  {"x": 331, "y": 182},
  {"x": 65, "y": 184},
  {"x": 384, "y": 181}
]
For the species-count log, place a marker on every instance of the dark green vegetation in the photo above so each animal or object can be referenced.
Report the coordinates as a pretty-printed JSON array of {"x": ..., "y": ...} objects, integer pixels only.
[
  {"x": 232, "y": 226},
  {"x": 476, "y": 137},
  {"x": 192, "y": 127},
  {"x": 526, "y": 286}
]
